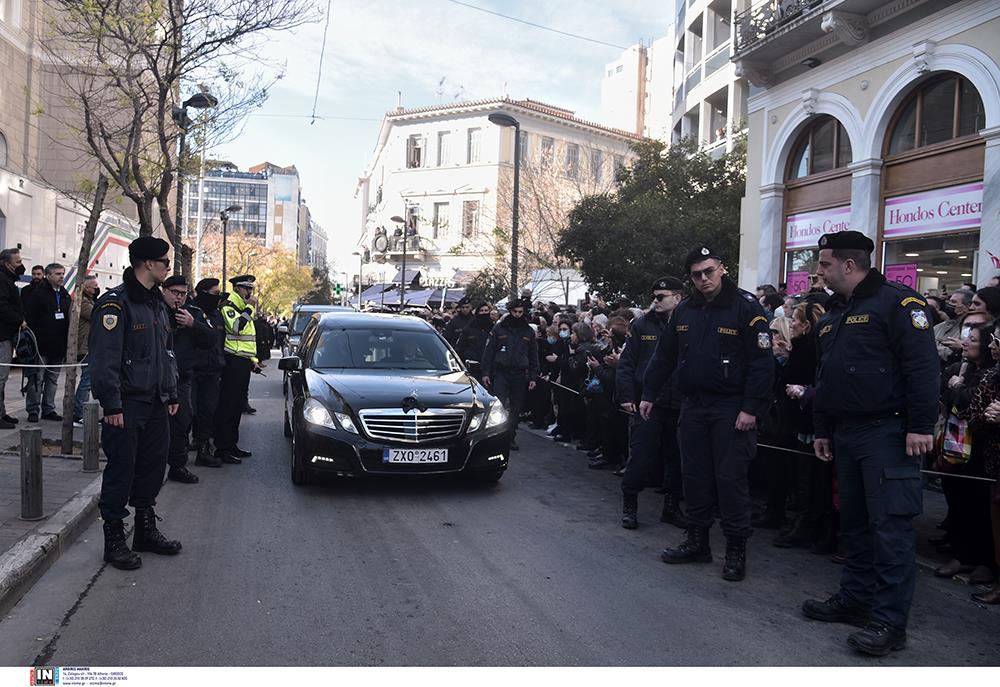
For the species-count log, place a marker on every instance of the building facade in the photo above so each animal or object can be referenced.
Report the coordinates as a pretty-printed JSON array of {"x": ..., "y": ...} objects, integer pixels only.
[
  {"x": 881, "y": 117},
  {"x": 447, "y": 170}
]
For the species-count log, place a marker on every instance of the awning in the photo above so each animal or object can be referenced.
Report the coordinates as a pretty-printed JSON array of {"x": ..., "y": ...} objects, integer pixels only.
[
  {"x": 372, "y": 293},
  {"x": 410, "y": 276}
]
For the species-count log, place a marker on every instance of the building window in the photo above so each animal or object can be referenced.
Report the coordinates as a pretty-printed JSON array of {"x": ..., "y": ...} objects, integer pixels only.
[
  {"x": 572, "y": 160},
  {"x": 548, "y": 150},
  {"x": 525, "y": 151},
  {"x": 939, "y": 110},
  {"x": 470, "y": 219},
  {"x": 415, "y": 145},
  {"x": 444, "y": 148},
  {"x": 619, "y": 165},
  {"x": 474, "y": 144},
  {"x": 822, "y": 147},
  {"x": 3, "y": 150},
  {"x": 439, "y": 229},
  {"x": 618, "y": 69},
  {"x": 596, "y": 162}
]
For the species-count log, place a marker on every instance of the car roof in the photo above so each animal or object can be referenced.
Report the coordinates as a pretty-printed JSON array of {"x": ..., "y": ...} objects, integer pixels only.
[
  {"x": 322, "y": 308},
  {"x": 364, "y": 320}
]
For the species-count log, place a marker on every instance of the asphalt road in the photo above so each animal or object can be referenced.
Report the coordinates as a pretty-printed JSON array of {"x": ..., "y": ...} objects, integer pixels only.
[{"x": 532, "y": 571}]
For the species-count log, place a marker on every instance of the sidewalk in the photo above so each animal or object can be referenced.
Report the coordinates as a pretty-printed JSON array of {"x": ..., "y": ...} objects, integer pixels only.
[{"x": 27, "y": 549}]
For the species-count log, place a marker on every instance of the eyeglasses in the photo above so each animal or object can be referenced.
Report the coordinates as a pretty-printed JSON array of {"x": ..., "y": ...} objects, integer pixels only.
[
  {"x": 165, "y": 261},
  {"x": 706, "y": 273},
  {"x": 177, "y": 292}
]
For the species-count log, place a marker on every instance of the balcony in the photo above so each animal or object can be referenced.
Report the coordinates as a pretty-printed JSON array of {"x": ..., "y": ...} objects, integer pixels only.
[
  {"x": 391, "y": 247},
  {"x": 718, "y": 59},
  {"x": 764, "y": 19}
]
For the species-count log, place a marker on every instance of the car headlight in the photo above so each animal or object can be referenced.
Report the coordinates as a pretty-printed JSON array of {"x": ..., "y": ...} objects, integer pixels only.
[
  {"x": 346, "y": 423},
  {"x": 494, "y": 416},
  {"x": 315, "y": 413}
]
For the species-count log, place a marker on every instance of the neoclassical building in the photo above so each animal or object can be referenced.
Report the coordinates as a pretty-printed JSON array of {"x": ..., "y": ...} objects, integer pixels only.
[{"x": 882, "y": 117}]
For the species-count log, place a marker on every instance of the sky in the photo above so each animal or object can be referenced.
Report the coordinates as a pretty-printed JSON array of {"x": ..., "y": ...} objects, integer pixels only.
[{"x": 378, "y": 47}]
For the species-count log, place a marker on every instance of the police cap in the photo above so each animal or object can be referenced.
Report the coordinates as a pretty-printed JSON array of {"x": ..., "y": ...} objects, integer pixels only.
[
  {"x": 668, "y": 284},
  {"x": 175, "y": 280},
  {"x": 206, "y": 284},
  {"x": 147, "y": 248},
  {"x": 463, "y": 301},
  {"x": 245, "y": 280},
  {"x": 699, "y": 253},
  {"x": 846, "y": 240}
]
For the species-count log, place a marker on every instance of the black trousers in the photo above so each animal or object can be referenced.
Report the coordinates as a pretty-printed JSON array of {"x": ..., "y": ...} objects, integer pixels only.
[
  {"x": 715, "y": 458},
  {"x": 204, "y": 401},
  {"x": 653, "y": 443},
  {"x": 180, "y": 425},
  {"x": 233, "y": 390},
  {"x": 137, "y": 457},
  {"x": 969, "y": 527},
  {"x": 511, "y": 387}
]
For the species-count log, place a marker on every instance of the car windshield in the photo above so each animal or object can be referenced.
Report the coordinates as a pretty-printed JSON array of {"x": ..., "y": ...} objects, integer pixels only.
[
  {"x": 382, "y": 349},
  {"x": 299, "y": 322}
]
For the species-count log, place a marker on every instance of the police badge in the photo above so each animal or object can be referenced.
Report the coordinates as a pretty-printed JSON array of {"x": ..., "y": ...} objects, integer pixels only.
[
  {"x": 110, "y": 321},
  {"x": 919, "y": 319},
  {"x": 763, "y": 341}
]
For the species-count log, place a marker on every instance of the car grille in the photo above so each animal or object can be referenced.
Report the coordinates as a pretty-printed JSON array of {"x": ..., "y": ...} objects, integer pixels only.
[{"x": 414, "y": 427}]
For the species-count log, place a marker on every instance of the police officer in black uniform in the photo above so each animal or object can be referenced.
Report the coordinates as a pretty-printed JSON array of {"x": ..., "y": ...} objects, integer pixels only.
[
  {"x": 208, "y": 373},
  {"x": 193, "y": 336},
  {"x": 657, "y": 436},
  {"x": 510, "y": 363},
  {"x": 719, "y": 343},
  {"x": 875, "y": 408},
  {"x": 134, "y": 377},
  {"x": 459, "y": 321}
]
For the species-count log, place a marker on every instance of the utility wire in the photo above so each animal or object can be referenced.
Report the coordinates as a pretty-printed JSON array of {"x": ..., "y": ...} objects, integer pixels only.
[
  {"x": 322, "y": 52},
  {"x": 537, "y": 26}
]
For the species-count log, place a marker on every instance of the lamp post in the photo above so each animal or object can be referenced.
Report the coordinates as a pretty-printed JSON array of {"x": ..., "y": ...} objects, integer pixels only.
[
  {"x": 198, "y": 101},
  {"x": 503, "y": 120},
  {"x": 361, "y": 266},
  {"x": 406, "y": 228},
  {"x": 224, "y": 216}
]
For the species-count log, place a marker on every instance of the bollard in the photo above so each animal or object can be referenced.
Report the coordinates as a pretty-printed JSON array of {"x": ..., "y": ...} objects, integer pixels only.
[
  {"x": 91, "y": 436},
  {"x": 31, "y": 474}
]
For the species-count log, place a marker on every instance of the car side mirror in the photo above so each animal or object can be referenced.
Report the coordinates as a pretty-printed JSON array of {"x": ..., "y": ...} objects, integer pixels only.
[
  {"x": 290, "y": 363},
  {"x": 282, "y": 329}
]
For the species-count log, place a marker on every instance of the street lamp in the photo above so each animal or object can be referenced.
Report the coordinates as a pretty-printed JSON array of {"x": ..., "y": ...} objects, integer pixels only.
[
  {"x": 199, "y": 101},
  {"x": 503, "y": 120},
  {"x": 224, "y": 216},
  {"x": 361, "y": 266},
  {"x": 402, "y": 280}
]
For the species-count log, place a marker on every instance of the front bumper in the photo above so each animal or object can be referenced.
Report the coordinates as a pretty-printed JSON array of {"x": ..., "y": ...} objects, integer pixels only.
[{"x": 340, "y": 452}]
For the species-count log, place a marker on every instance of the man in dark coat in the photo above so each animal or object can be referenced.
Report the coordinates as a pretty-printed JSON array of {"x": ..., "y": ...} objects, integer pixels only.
[
  {"x": 456, "y": 324},
  {"x": 472, "y": 339},
  {"x": 46, "y": 310},
  {"x": 510, "y": 363}
]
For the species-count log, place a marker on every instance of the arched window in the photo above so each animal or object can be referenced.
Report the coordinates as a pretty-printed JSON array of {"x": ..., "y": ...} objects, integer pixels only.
[
  {"x": 938, "y": 110},
  {"x": 823, "y": 146},
  {"x": 3, "y": 150}
]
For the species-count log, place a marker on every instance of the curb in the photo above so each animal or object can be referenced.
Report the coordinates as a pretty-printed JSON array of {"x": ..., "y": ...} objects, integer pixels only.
[{"x": 32, "y": 555}]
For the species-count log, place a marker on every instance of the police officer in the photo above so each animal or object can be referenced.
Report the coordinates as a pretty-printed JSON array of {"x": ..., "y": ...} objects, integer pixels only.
[
  {"x": 510, "y": 363},
  {"x": 134, "y": 378},
  {"x": 457, "y": 323},
  {"x": 657, "y": 436},
  {"x": 719, "y": 344},
  {"x": 875, "y": 408},
  {"x": 208, "y": 373},
  {"x": 241, "y": 359},
  {"x": 193, "y": 336}
]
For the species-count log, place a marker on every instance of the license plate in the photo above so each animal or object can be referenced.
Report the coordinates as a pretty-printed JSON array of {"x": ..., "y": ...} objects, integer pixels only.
[{"x": 414, "y": 455}]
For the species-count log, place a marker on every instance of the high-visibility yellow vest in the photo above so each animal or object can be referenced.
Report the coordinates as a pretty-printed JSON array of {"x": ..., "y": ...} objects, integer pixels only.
[{"x": 241, "y": 335}]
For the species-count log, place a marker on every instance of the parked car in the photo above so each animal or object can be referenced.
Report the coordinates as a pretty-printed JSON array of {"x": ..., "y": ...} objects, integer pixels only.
[
  {"x": 301, "y": 314},
  {"x": 379, "y": 394}
]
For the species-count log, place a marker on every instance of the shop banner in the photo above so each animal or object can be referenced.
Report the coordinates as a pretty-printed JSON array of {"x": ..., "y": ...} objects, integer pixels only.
[
  {"x": 796, "y": 283},
  {"x": 931, "y": 212},
  {"x": 804, "y": 229},
  {"x": 905, "y": 274}
]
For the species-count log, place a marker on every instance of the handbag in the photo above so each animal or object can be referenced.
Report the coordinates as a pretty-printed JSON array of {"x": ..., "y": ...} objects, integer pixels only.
[{"x": 956, "y": 448}]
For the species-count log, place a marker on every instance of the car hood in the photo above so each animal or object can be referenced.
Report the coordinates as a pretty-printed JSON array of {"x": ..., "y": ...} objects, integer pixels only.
[{"x": 361, "y": 389}]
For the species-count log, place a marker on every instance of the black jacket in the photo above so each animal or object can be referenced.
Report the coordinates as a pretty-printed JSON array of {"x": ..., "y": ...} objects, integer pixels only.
[
  {"x": 640, "y": 344},
  {"x": 264, "y": 338},
  {"x": 719, "y": 349},
  {"x": 131, "y": 347},
  {"x": 877, "y": 356},
  {"x": 192, "y": 343},
  {"x": 47, "y": 313},
  {"x": 511, "y": 346},
  {"x": 472, "y": 338},
  {"x": 455, "y": 326},
  {"x": 11, "y": 309},
  {"x": 213, "y": 359}
]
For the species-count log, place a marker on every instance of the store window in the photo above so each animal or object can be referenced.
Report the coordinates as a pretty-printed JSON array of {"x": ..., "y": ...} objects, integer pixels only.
[
  {"x": 935, "y": 264},
  {"x": 822, "y": 147},
  {"x": 940, "y": 110}
]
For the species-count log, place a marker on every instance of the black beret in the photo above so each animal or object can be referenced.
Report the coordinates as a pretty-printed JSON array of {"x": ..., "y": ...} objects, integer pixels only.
[
  {"x": 697, "y": 254},
  {"x": 243, "y": 280},
  {"x": 463, "y": 301},
  {"x": 147, "y": 248},
  {"x": 668, "y": 284},
  {"x": 846, "y": 240},
  {"x": 206, "y": 284},
  {"x": 175, "y": 280}
]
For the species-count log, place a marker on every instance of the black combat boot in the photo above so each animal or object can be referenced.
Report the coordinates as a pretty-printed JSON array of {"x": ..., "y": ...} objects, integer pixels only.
[
  {"x": 630, "y": 511},
  {"x": 148, "y": 538},
  {"x": 206, "y": 458},
  {"x": 182, "y": 474},
  {"x": 735, "y": 568},
  {"x": 116, "y": 550},
  {"x": 877, "y": 639},
  {"x": 672, "y": 512},
  {"x": 798, "y": 537},
  {"x": 694, "y": 549}
]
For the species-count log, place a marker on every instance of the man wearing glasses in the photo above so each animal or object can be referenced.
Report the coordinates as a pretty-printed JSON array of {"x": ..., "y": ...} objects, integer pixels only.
[
  {"x": 876, "y": 405},
  {"x": 510, "y": 363},
  {"x": 720, "y": 346},
  {"x": 134, "y": 377},
  {"x": 656, "y": 436}
]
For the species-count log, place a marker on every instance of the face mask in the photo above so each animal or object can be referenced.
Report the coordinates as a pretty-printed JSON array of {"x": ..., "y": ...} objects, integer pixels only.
[
  {"x": 208, "y": 301},
  {"x": 19, "y": 270},
  {"x": 563, "y": 333},
  {"x": 551, "y": 339}
]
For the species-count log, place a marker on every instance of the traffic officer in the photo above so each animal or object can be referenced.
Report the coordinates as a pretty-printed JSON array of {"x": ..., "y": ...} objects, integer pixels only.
[
  {"x": 193, "y": 336},
  {"x": 134, "y": 377},
  {"x": 510, "y": 363},
  {"x": 719, "y": 344},
  {"x": 461, "y": 319},
  {"x": 208, "y": 373},
  {"x": 875, "y": 407},
  {"x": 240, "y": 351},
  {"x": 657, "y": 436}
]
